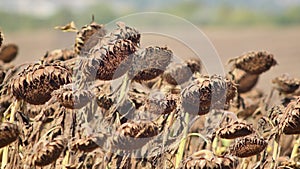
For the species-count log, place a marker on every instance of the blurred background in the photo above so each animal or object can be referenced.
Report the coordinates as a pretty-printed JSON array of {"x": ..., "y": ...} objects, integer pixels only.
[{"x": 234, "y": 27}]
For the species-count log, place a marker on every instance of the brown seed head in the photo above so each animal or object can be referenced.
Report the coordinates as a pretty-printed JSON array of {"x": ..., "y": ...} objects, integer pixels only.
[
  {"x": 114, "y": 59},
  {"x": 135, "y": 134},
  {"x": 177, "y": 74},
  {"x": 290, "y": 123},
  {"x": 9, "y": 133},
  {"x": 204, "y": 159},
  {"x": 73, "y": 98},
  {"x": 36, "y": 83},
  {"x": 47, "y": 153},
  {"x": 207, "y": 92},
  {"x": 125, "y": 32},
  {"x": 254, "y": 62},
  {"x": 248, "y": 146},
  {"x": 58, "y": 55},
  {"x": 235, "y": 130},
  {"x": 89, "y": 143},
  {"x": 8, "y": 52},
  {"x": 149, "y": 63},
  {"x": 88, "y": 37},
  {"x": 158, "y": 103},
  {"x": 286, "y": 84}
]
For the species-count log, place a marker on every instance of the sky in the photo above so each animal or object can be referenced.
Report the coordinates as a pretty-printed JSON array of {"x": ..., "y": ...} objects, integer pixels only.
[{"x": 45, "y": 8}]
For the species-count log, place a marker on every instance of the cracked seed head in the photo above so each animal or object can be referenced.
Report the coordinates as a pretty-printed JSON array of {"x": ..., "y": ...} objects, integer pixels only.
[
  {"x": 207, "y": 92},
  {"x": 254, "y": 62},
  {"x": 36, "y": 82},
  {"x": 248, "y": 146},
  {"x": 9, "y": 133},
  {"x": 8, "y": 52}
]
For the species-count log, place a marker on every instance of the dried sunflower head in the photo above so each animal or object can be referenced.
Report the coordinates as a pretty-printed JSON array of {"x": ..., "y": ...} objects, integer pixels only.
[
  {"x": 207, "y": 92},
  {"x": 235, "y": 130},
  {"x": 149, "y": 63},
  {"x": 245, "y": 81},
  {"x": 135, "y": 134},
  {"x": 114, "y": 59},
  {"x": 8, "y": 52},
  {"x": 89, "y": 143},
  {"x": 158, "y": 103},
  {"x": 248, "y": 146},
  {"x": 9, "y": 133},
  {"x": 254, "y": 62},
  {"x": 58, "y": 55},
  {"x": 49, "y": 151},
  {"x": 177, "y": 74},
  {"x": 286, "y": 84},
  {"x": 73, "y": 98},
  {"x": 36, "y": 82},
  {"x": 290, "y": 123},
  {"x": 204, "y": 159},
  {"x": 88, "y": 37},
  {"x": 125, "y": 32}
]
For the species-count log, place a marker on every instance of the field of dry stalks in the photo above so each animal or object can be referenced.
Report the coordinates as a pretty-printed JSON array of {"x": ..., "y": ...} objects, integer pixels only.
[{"x": 66, "y": 111}]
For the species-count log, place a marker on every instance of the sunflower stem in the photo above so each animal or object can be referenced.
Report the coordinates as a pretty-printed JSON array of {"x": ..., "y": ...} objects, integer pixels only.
[
  {"x": 14, "y": 109},
  {"x": 180, "y": 151},
  {"x": 276, "y": 151},
  {"x": 295, "y": 149}
]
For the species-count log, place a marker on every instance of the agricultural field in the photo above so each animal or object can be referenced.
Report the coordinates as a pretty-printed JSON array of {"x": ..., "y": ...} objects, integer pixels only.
[{"x": 97, "y": 98}]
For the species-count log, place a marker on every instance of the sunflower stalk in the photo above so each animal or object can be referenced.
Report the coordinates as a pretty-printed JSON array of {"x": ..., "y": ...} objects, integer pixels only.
[
  {"x": 180, "y": 151},
  {"x": 14, "y": 109}
]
